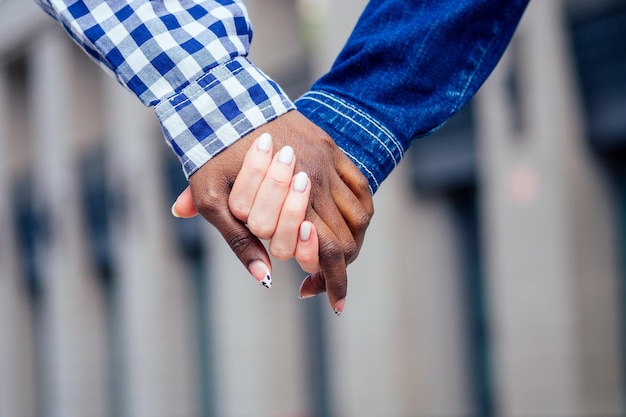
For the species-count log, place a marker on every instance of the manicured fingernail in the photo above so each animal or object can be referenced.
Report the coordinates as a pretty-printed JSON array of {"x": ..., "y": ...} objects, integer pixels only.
[
  {"x": 285, "y": 155},
  {"x": 261, "y": 273},
  {"x": 174, "y": 213},
  {"x": 264, "y": 143},
  {"x": 300, "y": 181},
  {"x": 305, "y": 231},
  {"x": 303, "y": 295},
  {"x": 339, "y": 305}
]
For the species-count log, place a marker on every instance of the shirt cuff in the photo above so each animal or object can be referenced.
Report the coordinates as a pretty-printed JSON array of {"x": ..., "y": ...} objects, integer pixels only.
[
  {"x": 373, "y": 148},
  {"x": 222, "y": 106}
]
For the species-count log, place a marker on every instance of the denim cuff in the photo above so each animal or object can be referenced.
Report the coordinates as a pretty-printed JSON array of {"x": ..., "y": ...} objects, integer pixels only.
[{"x": 374, "y": 149}]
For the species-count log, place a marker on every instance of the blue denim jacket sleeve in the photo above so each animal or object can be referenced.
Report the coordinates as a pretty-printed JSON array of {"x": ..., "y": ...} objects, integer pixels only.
[{"x": 406, "y": 69}]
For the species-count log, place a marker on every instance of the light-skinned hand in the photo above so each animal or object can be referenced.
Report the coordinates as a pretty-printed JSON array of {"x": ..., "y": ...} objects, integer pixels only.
[{"x": 273, "y": 202}]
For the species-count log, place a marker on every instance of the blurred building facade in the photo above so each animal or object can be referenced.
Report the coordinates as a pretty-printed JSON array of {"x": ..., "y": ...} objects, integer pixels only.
[{"x": 492, "y": 281}]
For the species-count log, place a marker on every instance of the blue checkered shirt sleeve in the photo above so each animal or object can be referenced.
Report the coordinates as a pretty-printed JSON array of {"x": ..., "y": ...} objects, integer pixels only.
[{"x": 186, "y": 58}]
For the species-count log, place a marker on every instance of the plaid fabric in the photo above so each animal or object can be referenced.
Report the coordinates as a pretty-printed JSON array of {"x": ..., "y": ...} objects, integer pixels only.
[{"x": 186, "y": 58}]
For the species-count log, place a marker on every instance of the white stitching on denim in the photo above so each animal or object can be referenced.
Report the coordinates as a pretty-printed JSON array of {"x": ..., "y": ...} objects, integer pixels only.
[
  {"x": 366, "y": 116},
  {"x": 359, "y": 163},
  {"x": 307, "y": 97}
]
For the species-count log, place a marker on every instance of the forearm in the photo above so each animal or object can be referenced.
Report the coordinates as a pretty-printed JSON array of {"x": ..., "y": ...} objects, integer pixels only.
[
  {"x": 186, "y": 58},
  {"x": 407, "y": 68}
]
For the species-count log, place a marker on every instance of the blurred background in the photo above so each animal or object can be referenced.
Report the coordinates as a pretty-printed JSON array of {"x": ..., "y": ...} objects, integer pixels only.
[{"x": 491, "y": 283}]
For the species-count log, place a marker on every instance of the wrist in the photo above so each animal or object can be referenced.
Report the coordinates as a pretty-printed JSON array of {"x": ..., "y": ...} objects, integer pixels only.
[{"x": 372, "y": 147}]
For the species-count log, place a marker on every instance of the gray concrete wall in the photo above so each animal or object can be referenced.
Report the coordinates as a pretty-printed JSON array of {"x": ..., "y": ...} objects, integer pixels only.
[{"x": 550, "y": 226}]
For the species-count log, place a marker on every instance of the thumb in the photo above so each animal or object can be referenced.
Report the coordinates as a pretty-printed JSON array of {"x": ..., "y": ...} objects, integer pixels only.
[
  {"x": 244, "y": 244},
  {"x": 183, "y": 206}
]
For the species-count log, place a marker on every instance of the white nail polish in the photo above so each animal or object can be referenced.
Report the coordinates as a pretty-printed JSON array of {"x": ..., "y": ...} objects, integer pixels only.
[
  {"x": 261, "y": 273},
  {"x": 300, "y": 181},
  {"x": 174, "y": 213},
  {"x": 267, "y": 281},
  {"x": 305, "y": 231},
  {"x": 286, "y": 155},
  {"x": 264, "y": 143}
]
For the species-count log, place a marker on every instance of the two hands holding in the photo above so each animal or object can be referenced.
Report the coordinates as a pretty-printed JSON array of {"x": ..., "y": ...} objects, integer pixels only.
[{"x": 250, "y": 193}]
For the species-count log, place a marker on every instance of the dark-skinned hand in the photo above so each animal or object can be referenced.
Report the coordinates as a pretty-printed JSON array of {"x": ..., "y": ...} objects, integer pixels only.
[{"x": 340, "y": 204}]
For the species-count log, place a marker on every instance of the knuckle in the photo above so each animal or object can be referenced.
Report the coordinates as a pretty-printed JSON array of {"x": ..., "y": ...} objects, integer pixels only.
[
  {"x": 333, "y": 251},
  {"x": 362, "y": 184},
  {"x": 260, "y": 228},
  {"x": 370, "y": 208},
  {"x": 280, "y": 253},
  {"x": 238, "y": 242},
  {"x": 292, "y": 213},
  {"x": 258, "y": 169},
  {"x": 208, "y": 200},
  {"x": 350, "y": 250},
  {"x": 276, "y": 181},
  {"x": 330, "y": 251},
  {"x": 239, "y": 209},
  {"x": 363, "y": 219},
  {"x": 310, "y": 263}
]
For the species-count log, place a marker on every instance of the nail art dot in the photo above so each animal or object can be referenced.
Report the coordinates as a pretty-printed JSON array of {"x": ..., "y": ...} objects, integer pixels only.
[{"x": 267, "y": 281}]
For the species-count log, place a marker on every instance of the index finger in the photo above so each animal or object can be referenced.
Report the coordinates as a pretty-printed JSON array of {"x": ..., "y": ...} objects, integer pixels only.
[{"x": 249, "y": 179}]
